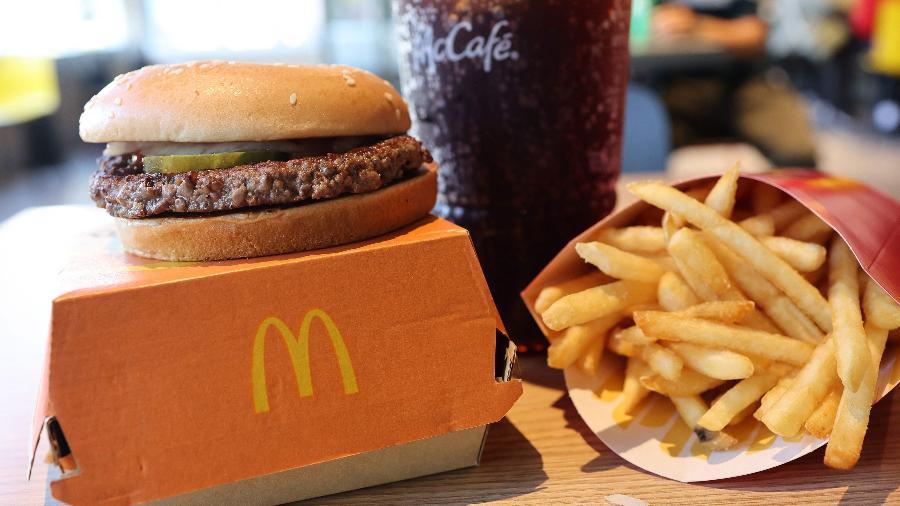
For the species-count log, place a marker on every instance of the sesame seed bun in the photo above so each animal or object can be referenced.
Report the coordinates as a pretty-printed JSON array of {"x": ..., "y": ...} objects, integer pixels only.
[
  {"x": 217, "y": 101},
  {"x": 282, "y": 230}
]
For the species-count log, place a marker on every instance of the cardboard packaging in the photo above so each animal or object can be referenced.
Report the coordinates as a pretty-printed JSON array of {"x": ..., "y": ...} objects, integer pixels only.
[
  {"x": 654, "y": 438},
  {"x": 268, "y": 380}
]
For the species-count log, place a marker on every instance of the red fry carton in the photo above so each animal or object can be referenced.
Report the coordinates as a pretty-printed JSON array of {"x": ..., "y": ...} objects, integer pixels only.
[
  {"x": 654, "y": 438},
  {"x": 268, "y": 380}
]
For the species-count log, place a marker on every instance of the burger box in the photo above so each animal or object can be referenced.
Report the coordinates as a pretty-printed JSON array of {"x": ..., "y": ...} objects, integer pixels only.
[
  {"x": 264, "y": 380},
  {"x": 654, "y": 438}
]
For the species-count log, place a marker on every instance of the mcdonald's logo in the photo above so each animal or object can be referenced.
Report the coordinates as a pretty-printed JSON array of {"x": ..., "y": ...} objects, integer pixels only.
[{"x": 298, "y": 350}]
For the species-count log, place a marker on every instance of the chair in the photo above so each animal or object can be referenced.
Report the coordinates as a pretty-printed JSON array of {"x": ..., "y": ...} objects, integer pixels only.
[{"x": 646, "y": 137}]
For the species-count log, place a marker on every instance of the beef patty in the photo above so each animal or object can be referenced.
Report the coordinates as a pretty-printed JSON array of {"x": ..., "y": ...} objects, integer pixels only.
[{"x": 121, "y": 186}]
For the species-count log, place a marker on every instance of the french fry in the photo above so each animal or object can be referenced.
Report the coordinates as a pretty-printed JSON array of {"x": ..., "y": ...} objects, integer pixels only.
[
  {"x": 719, "y": 364},
  {"x": 698, "y": 265},
  {"x": 553, "y": 293},
  {"x": 880, "y": 308},
  {"x": 787, "y": 213},
  {"x": 665, "y": 263},
  {"x": 590, "y": 361},
  {"x": 764, "y": 198},
  {"x": 719, "y": 335},
  {"x": 586, "y": 305},
  {"x": 662, "y": 361},
  {"x": 573, "y": 343},
  {"x": 691, "y": 408},
  {"x": 803, "y": 256},
  {"x": 787, "y": 415},
  {"x": 706, "y": 276},
  {"x": 738, "y": 398},
  {"x": 853, "y": 412},
  {"x": 633, "y": 392},
  {"x": 620, "y": 346},
  {"x": 780, "y": 308},
  {"x": 635, "y": 239},
  {"x": 776, "y": 270},
  {"x": 761, "y": 225},
  {"x": 671, "y": 222},
  {"x": 618, "y": 263},
  {"x": 759, "y": 321},
  {"x": 722, "y": 196},
  {"x": 689, "y": 383},
  {"x": 821, "y": 421},
  {"x": 808, "y": 228},
  {"x": 773, "y": 395},
  {"x": 634, "y": 336},
  {"x": 725, "y": 311},
  {"x": 852, "y": 352},
  {"x": 674, "y": 294}
]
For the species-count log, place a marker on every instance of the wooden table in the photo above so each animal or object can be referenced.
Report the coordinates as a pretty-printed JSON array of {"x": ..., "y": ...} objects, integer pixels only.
[{"x": 542, "y": 453}]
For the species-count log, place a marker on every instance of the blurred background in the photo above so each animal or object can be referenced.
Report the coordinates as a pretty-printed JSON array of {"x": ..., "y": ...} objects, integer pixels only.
[{"x": 769, "y": 83}]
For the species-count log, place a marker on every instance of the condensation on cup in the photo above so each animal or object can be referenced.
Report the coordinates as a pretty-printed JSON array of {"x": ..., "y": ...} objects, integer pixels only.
[{"x": 521, "y": 104}]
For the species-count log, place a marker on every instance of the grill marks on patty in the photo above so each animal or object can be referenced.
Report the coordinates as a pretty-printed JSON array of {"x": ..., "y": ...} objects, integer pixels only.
[{"x": 120, "y": 186}]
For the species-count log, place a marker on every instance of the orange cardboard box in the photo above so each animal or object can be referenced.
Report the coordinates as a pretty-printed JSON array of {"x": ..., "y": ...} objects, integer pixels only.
[{"x": 271, "y": 379}]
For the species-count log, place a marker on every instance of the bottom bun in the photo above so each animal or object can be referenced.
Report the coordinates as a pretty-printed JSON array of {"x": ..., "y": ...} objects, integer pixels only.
[{"x": 275, "y": 231}]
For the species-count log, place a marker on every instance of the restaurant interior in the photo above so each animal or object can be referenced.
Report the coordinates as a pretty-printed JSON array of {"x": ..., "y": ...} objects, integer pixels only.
[
  {"x": 764, "y": 84},
  {"x": 770, "y": 83}
]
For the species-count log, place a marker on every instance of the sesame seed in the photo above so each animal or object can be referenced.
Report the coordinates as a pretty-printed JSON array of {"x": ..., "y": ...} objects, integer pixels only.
[
  {"x": 118, "y": 101},
  {"x": 112, "y": 114},
  {"x": 397, "y": 113},
  {"x": 231, "y": 62},
  {"x": 389, "y": 97},
  {"x": 178, "y": 71},
  {"x": 205, "y": 65},
  {"x": 293, "y": 99},
  {"x": 128, "y": 85},
  {"x": 278, "y": 64}
]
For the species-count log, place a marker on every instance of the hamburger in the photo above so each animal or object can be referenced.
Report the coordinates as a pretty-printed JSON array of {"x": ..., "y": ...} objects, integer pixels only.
[{"x": 218, "y": 160}]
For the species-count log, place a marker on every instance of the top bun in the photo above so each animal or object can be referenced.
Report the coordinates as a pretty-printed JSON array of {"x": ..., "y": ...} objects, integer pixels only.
[{"x": 217, "y": 101}]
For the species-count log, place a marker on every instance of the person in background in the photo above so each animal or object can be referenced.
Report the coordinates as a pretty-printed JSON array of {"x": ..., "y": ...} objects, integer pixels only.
[
  {"x": 732, "y": 25},
  {"x": 736, "y": 101}
]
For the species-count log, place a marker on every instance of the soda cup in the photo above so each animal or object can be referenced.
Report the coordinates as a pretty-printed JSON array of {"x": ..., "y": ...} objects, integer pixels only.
[{"x": 521, "y": 104}]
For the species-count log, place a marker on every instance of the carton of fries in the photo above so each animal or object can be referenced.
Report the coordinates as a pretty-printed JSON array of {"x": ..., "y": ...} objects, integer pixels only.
[
  {"x": 266, "y": 380},
  {"x": 726, "y": 325}
]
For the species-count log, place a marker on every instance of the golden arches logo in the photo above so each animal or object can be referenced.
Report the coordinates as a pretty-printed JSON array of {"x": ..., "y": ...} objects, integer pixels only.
[{"x": 298, "y": 350}]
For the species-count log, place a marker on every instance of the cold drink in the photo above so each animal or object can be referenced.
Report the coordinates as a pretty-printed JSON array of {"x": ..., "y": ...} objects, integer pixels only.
[{"x": 521, "y": 104}]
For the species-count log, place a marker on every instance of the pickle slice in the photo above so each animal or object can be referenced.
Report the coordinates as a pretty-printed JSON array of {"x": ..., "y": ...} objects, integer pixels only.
[{"x": 174, "y": 164}]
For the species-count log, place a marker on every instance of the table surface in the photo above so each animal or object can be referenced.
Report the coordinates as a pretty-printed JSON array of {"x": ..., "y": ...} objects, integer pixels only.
[
  {"x": 541, "y": 453},
  {"x": 657, "y": 55}
]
